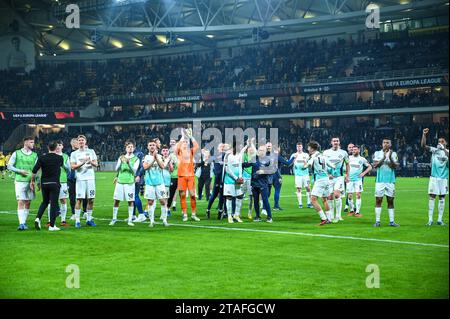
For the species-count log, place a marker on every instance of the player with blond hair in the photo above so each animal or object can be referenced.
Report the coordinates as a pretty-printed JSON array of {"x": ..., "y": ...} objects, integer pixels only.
[
  {"x": 126, "y": 168},
  {"x": 185, "y": 151}
]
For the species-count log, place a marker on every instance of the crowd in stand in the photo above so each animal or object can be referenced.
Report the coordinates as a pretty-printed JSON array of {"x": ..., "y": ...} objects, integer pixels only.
[
  {"x": 75, "y": 84},
  {"x": 412, "y": 98},
  {"x": 403, "y": 54}
]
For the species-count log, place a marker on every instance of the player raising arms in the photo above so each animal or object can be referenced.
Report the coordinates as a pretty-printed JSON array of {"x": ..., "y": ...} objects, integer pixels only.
[
  {"x": 22, "y": 162},
  {"x": 83, "y": 161},
  {"x": 154, "y": 183},
  {"x": 301, "y": 173},
  {"x": 339, "y": 158},
  {"x": 385, "y": 161},
  {"x": 126, "y": 167},
  {"x": 438, "y": 185},
  {"x": 355, "y": 185},
  {"x": 322, "y": 187},
  {"x": 185, "y": 150}
]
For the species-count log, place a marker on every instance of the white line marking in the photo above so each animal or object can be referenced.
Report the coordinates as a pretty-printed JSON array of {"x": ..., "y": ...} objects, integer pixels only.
[
  {"x": 312, "y": 235},
  {"x": 279, "y": 232}
]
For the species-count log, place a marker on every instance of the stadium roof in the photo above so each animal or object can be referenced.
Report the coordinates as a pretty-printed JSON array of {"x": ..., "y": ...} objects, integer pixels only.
[{"x": 109, "y": 26}]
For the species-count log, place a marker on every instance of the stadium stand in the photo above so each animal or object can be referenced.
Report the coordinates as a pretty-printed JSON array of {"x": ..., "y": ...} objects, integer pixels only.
[{"x": 75, "y": 84}]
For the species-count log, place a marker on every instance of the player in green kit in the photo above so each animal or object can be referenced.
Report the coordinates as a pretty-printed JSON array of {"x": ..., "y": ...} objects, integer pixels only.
[
  {"x": 385, "y": 161},
  {"x": 21, "y": 163},
  {"x": 127, "y": 166},
  {"x": 438, "y": 185}
]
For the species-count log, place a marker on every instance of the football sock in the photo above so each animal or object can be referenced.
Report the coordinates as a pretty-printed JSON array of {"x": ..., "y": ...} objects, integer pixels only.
[
  {"x": 430, "y": 209},
  {"x": 77, "y": 215},
  {"x": 391, "y": 214},
  {"x": 338, "y": 207},
  {"x": 63, "y": 210},
  {"x": 88, "y": 215},
  {"x": 299, "y": 197},
  {"x": 358, "y": 205},
  {"x": 441, "y": 207},
  {"x": 130, "y": 213},
  {"x": 308, "y": 198},
  {"x": 377, "y": 214},
  {"x": 238, "y": 206},
  {"x": 115, "y": 212}
]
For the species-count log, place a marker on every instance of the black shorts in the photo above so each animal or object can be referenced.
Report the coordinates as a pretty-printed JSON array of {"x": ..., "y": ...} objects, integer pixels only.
[{"x": 2, "y": 168}]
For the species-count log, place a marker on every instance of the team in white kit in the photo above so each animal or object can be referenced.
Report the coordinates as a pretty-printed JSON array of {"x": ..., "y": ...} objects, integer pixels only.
[{"x": 335, "y": 174}]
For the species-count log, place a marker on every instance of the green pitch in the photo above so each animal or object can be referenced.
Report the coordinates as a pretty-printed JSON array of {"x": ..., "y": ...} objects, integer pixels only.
[{"x": 281, "y": 260}]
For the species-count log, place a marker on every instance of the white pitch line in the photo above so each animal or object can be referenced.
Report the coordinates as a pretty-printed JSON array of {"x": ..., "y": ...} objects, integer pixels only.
[
  {"x": 279, "y": 232},
  {"x": 313, "y": 235}
]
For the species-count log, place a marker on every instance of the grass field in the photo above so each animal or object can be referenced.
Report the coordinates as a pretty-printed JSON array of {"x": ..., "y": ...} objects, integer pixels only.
[{"x": 291, "y": 258}]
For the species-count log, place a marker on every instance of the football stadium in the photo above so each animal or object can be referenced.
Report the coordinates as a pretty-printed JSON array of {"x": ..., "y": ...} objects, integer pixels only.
[{"x": 224, "y": 150}]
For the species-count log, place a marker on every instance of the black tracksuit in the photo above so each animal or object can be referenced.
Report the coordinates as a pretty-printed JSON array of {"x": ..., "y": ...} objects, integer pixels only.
[
  {"x": 204, "y": 181},
  {"x": 50, "y": 164},
  {"x": 260, "y": 183}
]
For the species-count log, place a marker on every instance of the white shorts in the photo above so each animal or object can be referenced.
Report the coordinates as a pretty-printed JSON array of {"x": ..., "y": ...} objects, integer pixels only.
[
  {"x": 232, "y": 190},
  {"x": 321, "y": 188},
  {"x": 85, "y": 189},
  {"x": 63, "y": 191},
  {"x": 438, "y": 186},
  {"x": 384, "y": 189},
  {"x": 355, "y": 187},
  {"x": 155, "y": 192},
  {"x": 23, "y": 191},
  {"x": 302, "y": 181},
  {"x": 247, "y": 186},
  {"x": 124, "y": 192},
  {"x": 337, "y": 184}
]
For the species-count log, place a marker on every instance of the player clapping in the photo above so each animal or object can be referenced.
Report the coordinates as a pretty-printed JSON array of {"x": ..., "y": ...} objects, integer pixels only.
[
  {"x": 385, "y": 161},
  {"x": 154, "y": 183},
  {"x": 126, "y": 168}
]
